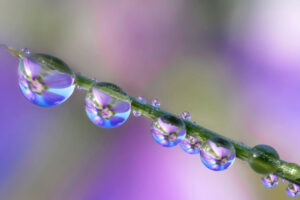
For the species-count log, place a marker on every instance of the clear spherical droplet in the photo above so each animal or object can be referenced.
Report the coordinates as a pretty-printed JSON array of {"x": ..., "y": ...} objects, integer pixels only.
[
  {"x": 25, "y": 50},
  {"x": 168, "y": 130},
  {"x": 155, "y": 103},
  {"x": 263, "y": 159},
  {"x": 217, "y": 154},
  {"x": 270, "y": 180},
  {"x": 105, "y": 110},
  {"x": 45, "y": 80},
  {"x": 293, "y": 190},
  {"x": 185, "y": 115},
  {"x": 135, "y": 112},
  {"x": 191, "y": 145}
]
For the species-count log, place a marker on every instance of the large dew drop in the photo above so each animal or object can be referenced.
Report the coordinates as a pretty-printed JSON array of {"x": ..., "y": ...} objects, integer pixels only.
[
  {"x": 168, "y": 130},
  {"x": 45, "y": 80},
  {"x": 217, "y": 154},
  {"x": 105, "y": 110}
]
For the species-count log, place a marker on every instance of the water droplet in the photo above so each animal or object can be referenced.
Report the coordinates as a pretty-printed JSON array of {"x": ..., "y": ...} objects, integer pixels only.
[
  {"x": 191, "y": 145},
  {"x": 105, "y": 110},
  {"x": 263, "y": 159},
  {"x": 25, "y": 50},
  {"x": 270, "y": 180},
  {"x": 142, "y": 99},
  {"x": 156, "y": 103},
  {"x": 186, "y": 115},
  {"x": 47, "y": 83},
  {"x": 293, "y": 190},
  {"x": 168, "y": 130},
  {"x": 217, "y": 154},
  {"x": 135, "y": 112}
]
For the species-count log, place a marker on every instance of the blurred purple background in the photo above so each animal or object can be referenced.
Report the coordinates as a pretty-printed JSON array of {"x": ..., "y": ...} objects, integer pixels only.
[{"x": 234, "y": 65}]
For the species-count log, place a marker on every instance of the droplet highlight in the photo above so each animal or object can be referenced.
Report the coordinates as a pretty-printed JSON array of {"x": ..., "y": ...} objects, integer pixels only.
[
  {"x": 45, "y": 80},
  {"x": 168, "y": 130},
  {"x": 191, "y": 145},
  {"x": 217, "y": 154},
  {"x": 103, "y": 109},
  {"x": 270, "y": 181}
]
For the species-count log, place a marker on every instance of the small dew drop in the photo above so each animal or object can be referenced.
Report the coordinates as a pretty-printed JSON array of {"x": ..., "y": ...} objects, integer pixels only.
[
  {"x": 25, "y": 50},
  {"x": 142, "y": 99},
  {"x": 293, "y": 190},
  {"x": 185, "y": 115},
  {"x": 156, "y": 103},
  {"x": 191, "y": 145},
  {"x": 135, "y": 112},
  {"x": 270, "y": 180}
]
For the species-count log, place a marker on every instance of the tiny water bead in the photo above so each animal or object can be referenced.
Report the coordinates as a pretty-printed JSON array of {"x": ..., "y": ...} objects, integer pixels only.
[
  {"x": 168, "y": 130},
  {"x": 191, "y": 145},
  {"x": 263, "y": 159},
  {"x": 103, "y": 109},
  {"x": 270, "y": 180},
  {"x": 156, "y": 103},
  {"x": 185, "y": 115},
  {"x": 135, "y": 112},
  {"x": 25, "y": 50},
  {"x": 293, "y": 190},
  {"x": 45, "y": 80},
  {"x": 217, "y": 153}
]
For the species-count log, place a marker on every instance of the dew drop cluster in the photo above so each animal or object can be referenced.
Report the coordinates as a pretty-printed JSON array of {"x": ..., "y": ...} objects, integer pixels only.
[{"x": 47, "y": 81}]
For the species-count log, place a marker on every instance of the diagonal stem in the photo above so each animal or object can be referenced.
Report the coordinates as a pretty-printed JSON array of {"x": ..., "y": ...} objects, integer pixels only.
[{"x": 242, "y": 150}]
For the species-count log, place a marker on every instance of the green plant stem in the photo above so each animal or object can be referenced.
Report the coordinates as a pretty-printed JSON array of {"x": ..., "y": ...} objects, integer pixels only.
[{"x": 284, "y": 170}]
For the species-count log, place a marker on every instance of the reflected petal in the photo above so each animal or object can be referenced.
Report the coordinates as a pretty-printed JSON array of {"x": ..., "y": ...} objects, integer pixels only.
[
  {"x": 58, "y": 80},
  {"x": 116, "y": 120},
  {"x": 102, "y": 98},
  {"x": 52, "y": 98},
  {"x": 121, "y": 107},
  {"x": 31, "y": 67}
]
